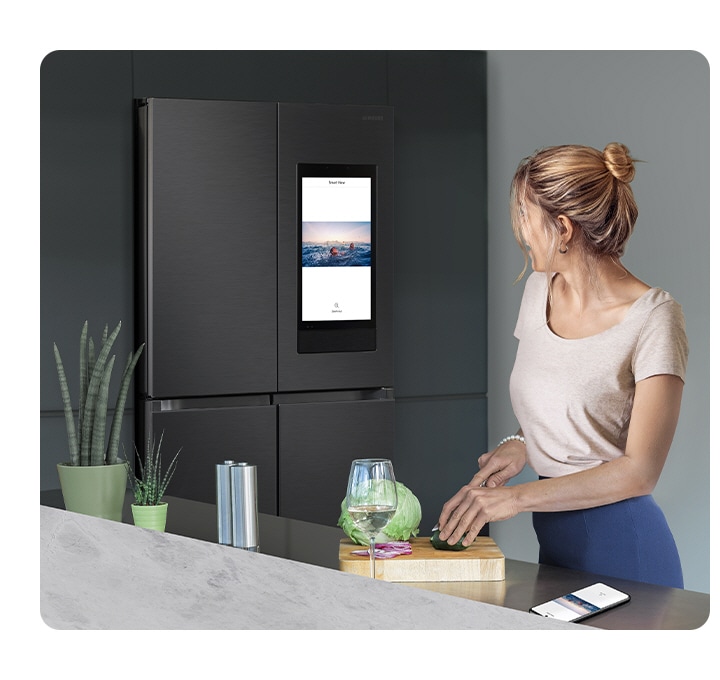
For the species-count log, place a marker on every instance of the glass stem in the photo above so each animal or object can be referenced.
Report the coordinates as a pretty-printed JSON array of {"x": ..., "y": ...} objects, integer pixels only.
[{"x": 372, "y": 557}]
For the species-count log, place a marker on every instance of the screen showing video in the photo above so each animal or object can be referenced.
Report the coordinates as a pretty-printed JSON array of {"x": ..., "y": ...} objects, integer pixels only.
[{"x": 336, "y": 232}]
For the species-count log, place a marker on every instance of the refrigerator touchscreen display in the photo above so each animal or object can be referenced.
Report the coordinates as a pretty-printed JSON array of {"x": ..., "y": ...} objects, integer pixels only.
[{"x": 337, "y": 238}]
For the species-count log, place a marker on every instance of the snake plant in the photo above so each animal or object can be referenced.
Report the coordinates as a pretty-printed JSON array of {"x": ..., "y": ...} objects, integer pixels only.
[{"x": 87, "y": 441}]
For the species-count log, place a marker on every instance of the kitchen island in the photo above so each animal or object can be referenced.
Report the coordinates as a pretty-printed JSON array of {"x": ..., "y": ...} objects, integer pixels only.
[{"x": 98, "y": 574}]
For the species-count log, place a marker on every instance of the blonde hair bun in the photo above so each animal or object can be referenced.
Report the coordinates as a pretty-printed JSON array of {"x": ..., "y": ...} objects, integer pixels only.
[{"x": 619, "y": 162}]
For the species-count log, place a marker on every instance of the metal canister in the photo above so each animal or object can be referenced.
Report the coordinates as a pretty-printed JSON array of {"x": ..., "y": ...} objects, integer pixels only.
[
  {"x": 223, "y": 485},
  {"x": 244, "y": 506}
]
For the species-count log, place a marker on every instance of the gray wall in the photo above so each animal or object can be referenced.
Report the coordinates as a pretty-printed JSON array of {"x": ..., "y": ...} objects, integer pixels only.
[
  {"x": 657, "y": 103},
  {"x": 86, "y": 217}
]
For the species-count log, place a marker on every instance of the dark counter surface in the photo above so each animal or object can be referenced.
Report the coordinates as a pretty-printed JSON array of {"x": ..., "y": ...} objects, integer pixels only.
[{"x": 526, "y": 584}]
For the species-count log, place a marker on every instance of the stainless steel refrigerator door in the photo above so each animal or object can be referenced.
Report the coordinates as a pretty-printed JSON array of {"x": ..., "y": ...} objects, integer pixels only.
[{"x": 209, "y": 289}]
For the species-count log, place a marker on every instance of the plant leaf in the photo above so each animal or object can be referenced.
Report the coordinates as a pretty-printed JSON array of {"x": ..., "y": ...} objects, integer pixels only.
[
  {"x": 67, "y": 406},
  {"x": 92, "y": 396},
  {"x": 114, "y": 440},
  {"x": 97, "y": 449},
  {"x": 84, "y": 375}
]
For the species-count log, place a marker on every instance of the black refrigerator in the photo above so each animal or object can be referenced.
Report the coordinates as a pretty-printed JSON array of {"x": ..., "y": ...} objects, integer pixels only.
[{"x": 264, "y": 294}]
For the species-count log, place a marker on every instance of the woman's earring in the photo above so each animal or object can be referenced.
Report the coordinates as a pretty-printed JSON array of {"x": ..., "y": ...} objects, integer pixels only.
[{"x": 560, "y": 249}]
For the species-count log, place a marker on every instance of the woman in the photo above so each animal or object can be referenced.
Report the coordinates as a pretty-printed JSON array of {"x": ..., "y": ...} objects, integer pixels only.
[{"x": 597, "y": 381}]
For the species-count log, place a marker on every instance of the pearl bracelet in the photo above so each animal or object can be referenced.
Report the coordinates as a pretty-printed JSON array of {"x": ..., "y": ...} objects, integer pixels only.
[{"x": 512, "y": 437}]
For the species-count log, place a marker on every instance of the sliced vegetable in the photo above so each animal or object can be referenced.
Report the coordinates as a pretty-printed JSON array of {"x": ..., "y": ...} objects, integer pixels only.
[{"x": 384, "y": 551}]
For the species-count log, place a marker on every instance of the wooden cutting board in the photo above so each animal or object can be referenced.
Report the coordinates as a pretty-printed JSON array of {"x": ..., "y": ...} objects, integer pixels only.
[{"x": 481, "y": 561}]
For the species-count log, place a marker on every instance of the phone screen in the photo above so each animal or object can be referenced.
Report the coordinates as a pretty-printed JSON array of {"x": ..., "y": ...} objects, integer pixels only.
[{"x": 582, "y": 603}]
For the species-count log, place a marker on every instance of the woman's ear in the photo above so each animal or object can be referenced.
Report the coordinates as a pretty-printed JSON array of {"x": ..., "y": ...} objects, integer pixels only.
[{"x": 567, "y": 228}]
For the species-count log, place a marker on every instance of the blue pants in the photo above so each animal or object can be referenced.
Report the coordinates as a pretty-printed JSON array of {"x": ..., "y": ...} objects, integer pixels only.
[{"x": 630, "y": 540}]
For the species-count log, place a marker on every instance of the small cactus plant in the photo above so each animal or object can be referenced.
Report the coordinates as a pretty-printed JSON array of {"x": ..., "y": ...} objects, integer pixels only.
[
  {"x": 87, "y": 441},
  {"x": 150, "y": 484}
]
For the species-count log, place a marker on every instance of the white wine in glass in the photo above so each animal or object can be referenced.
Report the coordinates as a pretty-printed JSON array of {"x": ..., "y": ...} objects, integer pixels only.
[{"x": 371, "y": 498}]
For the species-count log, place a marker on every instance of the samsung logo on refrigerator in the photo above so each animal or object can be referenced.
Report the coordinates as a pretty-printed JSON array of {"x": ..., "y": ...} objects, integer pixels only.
[{"x": 373, "y": 117}]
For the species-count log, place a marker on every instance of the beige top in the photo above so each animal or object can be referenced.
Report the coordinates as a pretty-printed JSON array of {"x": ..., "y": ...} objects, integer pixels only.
[{"x": 573, "y": 398}]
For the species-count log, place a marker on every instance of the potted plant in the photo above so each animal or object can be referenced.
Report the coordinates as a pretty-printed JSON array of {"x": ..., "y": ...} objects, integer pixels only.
[
  {"x": 93, "y": 482},
  {"x": 149, "y": 510}
]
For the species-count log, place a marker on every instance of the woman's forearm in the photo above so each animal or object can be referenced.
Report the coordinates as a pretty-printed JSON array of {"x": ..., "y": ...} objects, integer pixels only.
[{"x": 607, "y": 483}]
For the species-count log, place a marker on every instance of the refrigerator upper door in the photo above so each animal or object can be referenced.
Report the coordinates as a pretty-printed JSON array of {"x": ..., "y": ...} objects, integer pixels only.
[
  {"x": 209, "y": 279},
  {"x": 335, "y": 135}
]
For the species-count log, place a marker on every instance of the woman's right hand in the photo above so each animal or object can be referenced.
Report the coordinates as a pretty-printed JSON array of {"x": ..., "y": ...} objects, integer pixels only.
[{"x": 500, "y": 465}]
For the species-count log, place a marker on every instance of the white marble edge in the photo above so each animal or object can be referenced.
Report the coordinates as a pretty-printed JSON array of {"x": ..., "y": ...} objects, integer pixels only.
[{"x": 102, "y": 575}]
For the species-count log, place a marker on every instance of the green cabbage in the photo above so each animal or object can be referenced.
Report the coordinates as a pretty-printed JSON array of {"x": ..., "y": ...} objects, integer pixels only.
[{"x": 405, "y": 522}]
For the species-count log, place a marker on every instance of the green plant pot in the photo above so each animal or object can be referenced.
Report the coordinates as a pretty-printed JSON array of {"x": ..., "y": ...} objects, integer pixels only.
[
  {"x": 97, "y": 490},
  {"x": 150, "y": 516}
]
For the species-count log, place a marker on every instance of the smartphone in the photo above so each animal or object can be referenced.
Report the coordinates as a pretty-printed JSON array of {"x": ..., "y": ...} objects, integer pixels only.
[{"x": 582, "y": 603}]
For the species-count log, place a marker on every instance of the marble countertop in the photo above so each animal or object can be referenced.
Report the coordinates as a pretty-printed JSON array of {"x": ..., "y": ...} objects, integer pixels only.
[{"x": 98, "y": 574}]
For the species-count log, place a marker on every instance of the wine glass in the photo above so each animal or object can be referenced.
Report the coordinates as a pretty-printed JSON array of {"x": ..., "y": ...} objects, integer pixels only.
[{"x": 371, "y": 498}]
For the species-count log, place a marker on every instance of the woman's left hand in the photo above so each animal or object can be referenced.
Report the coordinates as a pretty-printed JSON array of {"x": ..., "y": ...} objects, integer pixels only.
[{"x": 471, "y": 508}]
